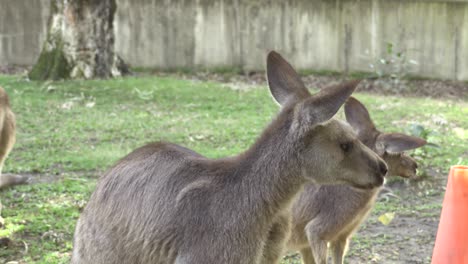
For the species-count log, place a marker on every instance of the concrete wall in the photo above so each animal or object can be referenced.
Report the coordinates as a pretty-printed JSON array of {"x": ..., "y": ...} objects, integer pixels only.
[
  {"x": 338, "y": 35},
  {"x": 23, "y": 25}
]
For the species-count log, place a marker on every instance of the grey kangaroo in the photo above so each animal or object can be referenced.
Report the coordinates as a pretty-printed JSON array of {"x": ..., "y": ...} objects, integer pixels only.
[
  {"x": 7, "y": 140},
  {"x": 331, "y": 214},
  {"x": 163, "y": 203}
]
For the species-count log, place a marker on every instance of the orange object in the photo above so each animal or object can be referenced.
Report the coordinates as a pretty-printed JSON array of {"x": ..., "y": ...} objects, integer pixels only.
[{"x": 451, "y": 245}]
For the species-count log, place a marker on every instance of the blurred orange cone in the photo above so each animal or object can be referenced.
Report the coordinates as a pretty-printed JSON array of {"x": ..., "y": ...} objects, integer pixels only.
[{"x": 451, "y": 246}]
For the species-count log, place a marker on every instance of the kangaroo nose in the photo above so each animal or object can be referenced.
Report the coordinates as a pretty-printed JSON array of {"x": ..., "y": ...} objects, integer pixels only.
[{"x": 383, "y": 168}]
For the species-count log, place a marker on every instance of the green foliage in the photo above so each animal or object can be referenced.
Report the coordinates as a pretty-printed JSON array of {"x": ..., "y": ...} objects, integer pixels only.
[{"x": 71, "y": 131}]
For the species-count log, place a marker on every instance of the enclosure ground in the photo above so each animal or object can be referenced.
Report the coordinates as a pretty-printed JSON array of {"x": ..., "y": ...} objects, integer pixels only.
[{"x": 70, "y": 132}]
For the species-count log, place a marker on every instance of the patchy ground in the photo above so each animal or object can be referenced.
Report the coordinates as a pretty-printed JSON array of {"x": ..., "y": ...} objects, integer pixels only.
[
  {"x": 68, "y": 132},
  {"x": 422, "y": 87},
  {"x": 410, "y": 236}
]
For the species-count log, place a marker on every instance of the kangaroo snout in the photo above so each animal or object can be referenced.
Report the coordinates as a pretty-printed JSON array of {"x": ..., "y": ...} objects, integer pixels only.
[
  {"x": 376, "y": 168},
  {"x": 408, "y": 167},
  {"x": 401, "y": 165}
]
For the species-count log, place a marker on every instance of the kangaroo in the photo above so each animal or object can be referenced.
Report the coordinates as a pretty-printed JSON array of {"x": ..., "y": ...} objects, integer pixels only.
[
  {"x": 331, "y": 214},
  {"x": 164, "y": 203},
  {"x": 7, "y": 140}
]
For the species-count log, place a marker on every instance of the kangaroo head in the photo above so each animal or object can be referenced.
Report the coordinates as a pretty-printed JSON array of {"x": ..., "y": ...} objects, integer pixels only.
[
  {"x": 328, "y": 150},
  {"x": 389, "y": 146}
]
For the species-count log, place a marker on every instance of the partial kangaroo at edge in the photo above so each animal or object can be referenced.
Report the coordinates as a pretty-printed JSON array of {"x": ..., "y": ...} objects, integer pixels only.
[
  {"x": 7, "y": 140},
  {"x": 164, "y": 203},
  {"x": 331, "y": 214}
]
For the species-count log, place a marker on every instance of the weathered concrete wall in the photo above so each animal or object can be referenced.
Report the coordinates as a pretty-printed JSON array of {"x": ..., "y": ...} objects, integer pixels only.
[
  {"x": 23, "y": 25},
  {"x": 340, "y": 35}
]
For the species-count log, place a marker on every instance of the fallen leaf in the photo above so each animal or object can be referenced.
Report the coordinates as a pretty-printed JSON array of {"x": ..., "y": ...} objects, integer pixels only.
[
  {"x": 461, "y": 133},
  {"x": 90, "y": 104},
  {"x": 386, "y": 218}
]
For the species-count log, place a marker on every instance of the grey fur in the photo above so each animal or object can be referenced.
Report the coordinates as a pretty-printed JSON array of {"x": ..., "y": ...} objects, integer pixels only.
[{"x": 164, "y": 203}]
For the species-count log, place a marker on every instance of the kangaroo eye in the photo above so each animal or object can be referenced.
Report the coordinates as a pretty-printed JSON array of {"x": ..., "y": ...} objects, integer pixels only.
[{"x": 346, "y": 147}]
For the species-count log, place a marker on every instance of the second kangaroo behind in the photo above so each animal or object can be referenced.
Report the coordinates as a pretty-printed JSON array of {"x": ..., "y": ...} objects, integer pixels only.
[
  {"x": 331, "y": 214},
  {"x": 164, "y": 203}
]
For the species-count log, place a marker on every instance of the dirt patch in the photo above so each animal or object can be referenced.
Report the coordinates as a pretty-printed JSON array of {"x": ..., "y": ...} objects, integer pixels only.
[
  {"x": 411, "y": 87},
  {"x": 14, "y": 69},
  {"x": 421, "y": 88},
  {"x": 410, "y": 237},
  {"x": 36, "y": 178}
]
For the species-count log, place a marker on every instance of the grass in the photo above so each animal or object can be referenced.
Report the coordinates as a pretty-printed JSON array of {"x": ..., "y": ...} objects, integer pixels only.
[{"x": 72, "y": 131}]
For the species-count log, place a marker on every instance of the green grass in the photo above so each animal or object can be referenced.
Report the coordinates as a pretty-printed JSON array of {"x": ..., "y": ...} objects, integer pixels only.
[{"x": 74, "y": 130}]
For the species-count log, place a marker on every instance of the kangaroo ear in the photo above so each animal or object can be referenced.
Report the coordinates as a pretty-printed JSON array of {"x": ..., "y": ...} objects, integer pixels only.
[
  {"x": 285, "y": 84},
  {"x": 324, "y": 105},
  {"x": 397, "y": 142},
  {"x": 358, "y": 116}
]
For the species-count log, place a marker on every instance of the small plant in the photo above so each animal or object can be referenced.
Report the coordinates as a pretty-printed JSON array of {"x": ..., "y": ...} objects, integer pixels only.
[
  {"x": 393, "y": 68},
  {"x": 425, "y": 154},
  {"x": 418, "y": 130}
]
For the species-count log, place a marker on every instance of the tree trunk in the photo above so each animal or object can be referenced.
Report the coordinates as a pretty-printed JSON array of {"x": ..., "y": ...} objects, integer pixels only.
[{"x": 80, "y": 42}]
